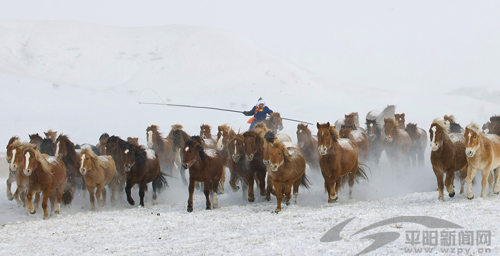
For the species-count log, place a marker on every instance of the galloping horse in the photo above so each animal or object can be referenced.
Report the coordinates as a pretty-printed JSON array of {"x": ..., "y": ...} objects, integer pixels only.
[
  {"x": 400, "y": 119},
  {"x": 102, "y": 143},
  {"x": 376, "y": 139},
  {"x": 12, "y": 176},
  {"x": 98, "y": 172},
  {"x": 47, "y": 174},
  {"x": 308, "y": 144},
  {"x": 447, "y": 156},
  {"x": 338, "y": 158},
  {"x": 224, "y": 134},
  {"x": 274, "y": 122},
  {"x": 483, "y": 154},
  {"x": 287, "y": 168},
  {"x": 179, "y": 138},
  {"x": 254, "y": 155},
  {"x": 418, "y": 138},
  {"x": 115, "y": 147},
  {"x": 204, "y": 165},
  {"x": 65, "y": 150},
  {"x": 206, "y": 136},
  {"x": 397, "y": 143},
  {"x": 16, "y": 169},
  {"x": 163, "y": 147},
  {"x": 142, "y": 167},
  {"x": 361, "y": 140},
  {"x": 351, "y": 120}
]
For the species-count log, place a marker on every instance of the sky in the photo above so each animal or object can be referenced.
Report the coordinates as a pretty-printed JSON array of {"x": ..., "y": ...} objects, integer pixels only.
[{"x": 421, "y": 46}]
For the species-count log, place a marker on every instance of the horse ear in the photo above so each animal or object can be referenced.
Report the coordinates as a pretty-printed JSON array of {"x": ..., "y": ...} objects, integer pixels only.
[
  {"x": 403, "y": 115},
  {"x": 345, "y": 116},
  {"x": 317, "y": 125},
  {"x": 328, "y": 125}
]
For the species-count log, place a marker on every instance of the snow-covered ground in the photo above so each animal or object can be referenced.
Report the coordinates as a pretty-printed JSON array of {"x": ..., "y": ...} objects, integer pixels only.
[{"x": 83, "y": 80}]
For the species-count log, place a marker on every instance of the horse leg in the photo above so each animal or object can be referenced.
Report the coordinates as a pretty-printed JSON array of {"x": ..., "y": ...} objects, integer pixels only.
[
  {"x": 269, "y": 189},
  {"x": 45, "y": 199},
  {"x": 288, "y": 192},
  {"x": 112, "y": 185},
  {"x": 471, "y": 173},
  {"x": 191, "y": 191},
  {"x": 262, "y": 183},
  {"x": 206, "y": 190},
  {"x": 215, "y": 199},
  {"x": 29, "y": 199},
  {"x": 496, "y": 187},
  {"x": 128, "y": 188},
  {"x": 232, "y": 182},
  {"x": 101, "y": 195},
  {"x": 37, "y": 200},
  {"x": 91, "y": 196},
  {"x": 484, "y": 182},
  {"x": 142, "y": 190},
  {"x": 17, "y": 197},
  {"x": 296, "y": 186},
  {"x": 60, "y": 192},
  {"x": 352, "y": 178},
  {"x": 278, "y": 193},
  {"x": 251, "y": 195},
  {"x": 9, "y": 185},
  {"x": 463, "y": 176},
  {"x": 222, "y": 180},
  {"x": 244, "y": 189},
  {"x": 183, "y": 175},
  {"x": 448, "y": 182}
]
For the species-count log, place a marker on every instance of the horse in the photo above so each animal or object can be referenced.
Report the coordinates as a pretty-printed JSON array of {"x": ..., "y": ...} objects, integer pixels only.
[
  {"x": 287, "y": 167},
  {"x": 205, "y": 165},
  {"x": 12, "y": 176},
  {"x": 241, "y": 169},
  {"x": 224, "y": 135},
  {"x": 65, "y": 150},
  {"x": 133, "y": 140},
  {"x": 179, "y": 138},
  {"x": 376, "y": 140},
  {"x": 483, "y": 154},
  {"x": 48, "y": 147},
  {"x": 388, "y": 112},
  {"x": 308, "y": 144},
  {"x": 101, "y": 146},
  {"x": 98, "y": 172},
  {"x": 338, "y": 159},
  {"x": 494, "y": 125},
  {"x": 206, "y": 136},
  {"x": 361, "y": 140},
  {"x": 35, "y": 139},
  {"x": 47, "y": 174},
  {"x": 254, "y": 155},
  {"x": 418, "y": 138},
  {"x": 447, "y": 156},
  {"x": 142, "y": 167},
  {"x": 115, "y": 148},
  {"x": 274, "y": 122},
  {"x": 400, "y": 119},
  {"x": 17, "y": 163},
  {"x": 397, "y": 143},
  {"x": 454, "y": 126},
  {"x": 163, "y": 147}
]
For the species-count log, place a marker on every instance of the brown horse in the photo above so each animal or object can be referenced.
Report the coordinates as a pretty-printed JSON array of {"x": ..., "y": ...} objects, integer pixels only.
[
  {"x": 47, "y": 174},
  {"x": 205, "y": 165},
  {"x": 15, "y": 168},
  {"x": 142, "y": 167},
  {"x": 351, "y": 121},
  {"x": 400, "y": 119},
  {"x": 179, "y": 138},
  {"x": 308, "y": 144},
  {"x": 447, "y": 156},
  {"x": 12, "y": 176},
  {"x": 338, "y": 159},
  {"x": 376, "y": 139},
  {"x": 36, "y": 140},
  {"x": 254, "y": 155},
  {"x": 483, "y": 154},
  {"x": 397, "y": 143},
  {"x": 224, "y": 135},
  {"x": 361, "y": 140},
  {"x": 98, "y": 172},
  {"x": 65, "y": 150},
  {"x": 274, "y": 122},
  {"x": 287, "y": 168},
  {"x": 494, "y": 125},
  {"x": 418, "y": 138},
  {"x": 454, "y": 126},
  {"x": 101, "y": 146},
  {"x": 163, "y": 147}
]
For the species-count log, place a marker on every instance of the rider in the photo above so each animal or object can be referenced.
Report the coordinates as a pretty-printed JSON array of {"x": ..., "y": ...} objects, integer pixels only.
[{"x": 259, "y": 113}]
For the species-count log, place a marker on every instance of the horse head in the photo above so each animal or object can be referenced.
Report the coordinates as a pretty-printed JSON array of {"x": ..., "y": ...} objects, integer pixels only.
[
  {"x": 350, "y": 120},
  {"x": 390, "y": 129},
  {"x": 63, "y": 146},
  {"x": 88, "y": 161},
  {"x": 36, "y": 139},
  {"x": 193, "y": 151},
  {"x": 51, "y": 135},
  {"x": 412, "y": 130},
  {"x": 277, "y": 154},
  {"x": 327, "y": 135},
  {"x": 345, "y": 132},
  {"x": 236, "y": 148},
  {"x": 270, "y": 138},
  {"x": 102, "y": 143},
  {"x": 472, "y": 139},
  {"x": 253, "y": 145},
  {"x": 400, "y": 119},
  {"x": 372, "y": 129},
  {"x": 303, "y": 134},
  {"x": 205, "y": 131},
  {"x": 9, "y": 148},
  {"x": 275, "y": 123}
]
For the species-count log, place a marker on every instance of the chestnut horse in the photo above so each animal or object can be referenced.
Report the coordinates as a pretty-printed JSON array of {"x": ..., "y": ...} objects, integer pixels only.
[
  {"x": 351, "y": 121},
  {"x": 47, "y": 174},
  {"x": 308, "y": 144},
  {"x": 400, "y": 119},
  {"x": 205, "y": 165},
  {"x": 397, "y": 143},
  {"x": 483, "y": 154},
  {"x": 447, "y": 156},
  {"x": 12, "y": 175},
  {"x": 376, "y": 140},
  {"x": 17, "y": 163},
  {"x": 36, "y": 140},
  {"x": 361, "y": 140},
  {"x": 418, "y": 138},
  {"x": 98, "y": 172},
  {"x": 338, "y": 159},
  {"x": 163, "y": 147},
  {"x": 206, "y": 136},
  {"x": 179, "y": 138},
  {"x": 274, "y": 122},
  {"x": 141, "y": 166},
  {"x": 287, "y": 167}
]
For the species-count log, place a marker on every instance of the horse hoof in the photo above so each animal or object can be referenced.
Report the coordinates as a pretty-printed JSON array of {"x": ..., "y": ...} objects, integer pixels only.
[
  {"x": 190, "y": 209},
  {"x": 10, "y": 198},
  {"x": 268, "y": 198},
  {"x": 287, "y": 202},
  {"x": 33, "y": 212},
  {"x": 470, "y": 198},
  {"x": 496, "y": 193},
  {"x": 251, "y": 200},
  {"x": 277, "y": 211},
  {"x": 131, "y": 201},
  {"x": 452, "y": 194},
  {"x": 208, "y": 208}
]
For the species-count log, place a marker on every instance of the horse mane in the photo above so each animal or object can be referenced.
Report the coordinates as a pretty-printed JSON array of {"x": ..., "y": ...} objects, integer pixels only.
[
  {"x": 474, "y": 127},
  {"x": 175, "y": 127},
  {"x": 43, "y": 161},
  {"x": 334, "y": 133},
  {"x": 104, "y": 136},
  {"x": 227, "y": 129},
  {"x": 71, "y": 154},
  {"x": 444, "y": 125},
  {"x": 258, "y": 139},
  {"x": 286, "y": 155},
  {"x": 206, "y": 126},
  {"x": 12, "y": 139},
  {"x": 157, "y": 137}
]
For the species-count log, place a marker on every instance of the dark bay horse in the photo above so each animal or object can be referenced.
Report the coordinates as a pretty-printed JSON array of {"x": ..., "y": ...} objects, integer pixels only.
[
  {"x": 338, "y": 159},
  {"x": 35, "y": 139},
  {"x": 308, "y": 144},
  {"x": 447, "y": 157},
  {"x": 65, "y": 150},
  {"x": 254, "y": 155},
  {"x": 205, "y": 165}
]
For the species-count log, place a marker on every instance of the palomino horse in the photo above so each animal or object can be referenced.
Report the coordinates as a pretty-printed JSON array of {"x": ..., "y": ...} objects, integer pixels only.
[
  {"x": 98, "y": 172},
  {"x": 483, "y": 154},
  {"x": 418, "y": 138},
  {"x": 51, "y": 135},
  {"x": 361, "y": 140},
  {"x": 12, "y": 175},
  {"x": 287, "y": 167},
  {"x": 254, "y": 155},
  {"x": 204, "y": 165},
  {"x": 65, "y": 150},
  {"x": 338, "y": 158},
  {"x": 142, "y": 167},
  {"x": 454, "y": 126},
  {"x": 242, "y": 169},
  {"x": 274, "y": 122},
  {"x": 447, "y": 156},
  {"x": 163, "y": 147},
  {"x": 36, "y": 140},
  {"x": 308, "y": 144},
  {"x": 101, "y": 146},
  {"x": 179, "y": 138},
  {"x": 47, "y": 174},
  {"x": 397, "y": 143},
  {"x": 376, "y": 139},
  {"x": 400, "y": 119}
]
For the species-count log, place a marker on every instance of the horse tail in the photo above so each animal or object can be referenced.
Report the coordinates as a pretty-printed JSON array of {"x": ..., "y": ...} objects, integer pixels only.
[
  {"x": 160, "y": 182},
  {"x": 361, "y": 173},
  {"x": 68, "y": 195},
  {"x": 305, "y": 182}
]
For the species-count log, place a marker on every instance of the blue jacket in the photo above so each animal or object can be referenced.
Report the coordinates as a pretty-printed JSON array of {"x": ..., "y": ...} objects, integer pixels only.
[{"x": 260, "y": 115}]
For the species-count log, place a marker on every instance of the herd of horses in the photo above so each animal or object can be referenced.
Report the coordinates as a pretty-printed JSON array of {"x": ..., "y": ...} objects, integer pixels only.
[{"x": 54, "y": 167}]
